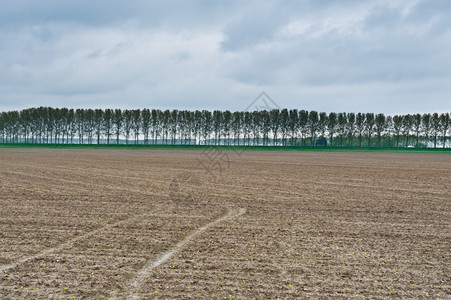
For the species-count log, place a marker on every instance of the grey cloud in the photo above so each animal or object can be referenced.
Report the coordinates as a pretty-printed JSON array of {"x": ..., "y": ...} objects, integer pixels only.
[
  {"x": 382, "y": 18},
  {"x": 256, "y": 25},
  {"x": 111, "y": 52},
  {"x": 113, "y": 12},
  {"x": 382, "y": 47}
]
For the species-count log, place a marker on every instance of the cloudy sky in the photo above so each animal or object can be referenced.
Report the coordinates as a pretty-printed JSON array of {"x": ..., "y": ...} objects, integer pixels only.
[{"x": 387, "y": 56}]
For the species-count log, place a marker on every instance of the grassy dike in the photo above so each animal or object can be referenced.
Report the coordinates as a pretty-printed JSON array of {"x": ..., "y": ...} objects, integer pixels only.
[{"x": 222, "y": 147}]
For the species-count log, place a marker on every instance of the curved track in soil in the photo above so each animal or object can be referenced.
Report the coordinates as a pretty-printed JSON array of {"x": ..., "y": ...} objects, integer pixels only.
[
  {"x": 138, "y": 280},
  {"x": 60, "y": 246}
]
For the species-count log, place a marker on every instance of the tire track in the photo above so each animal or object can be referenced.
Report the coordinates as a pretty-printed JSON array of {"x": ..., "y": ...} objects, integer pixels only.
[
  {"x": 137, "y": 281},
  {"x": 61, "y": 246}
]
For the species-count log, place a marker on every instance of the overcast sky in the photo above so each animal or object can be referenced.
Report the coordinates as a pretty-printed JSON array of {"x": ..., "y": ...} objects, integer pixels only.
[{"x": 349, "y": 55}]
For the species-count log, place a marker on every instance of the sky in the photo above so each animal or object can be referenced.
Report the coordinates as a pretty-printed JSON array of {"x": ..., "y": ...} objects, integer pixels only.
[{"x": 381, "y": 56}]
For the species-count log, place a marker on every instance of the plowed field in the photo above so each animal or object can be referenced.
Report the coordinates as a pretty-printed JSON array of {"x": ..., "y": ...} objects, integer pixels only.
[{"x": 140, "y": 224}]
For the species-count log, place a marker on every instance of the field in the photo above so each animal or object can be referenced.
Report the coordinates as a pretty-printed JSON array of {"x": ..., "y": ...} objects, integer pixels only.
[{"x": 205, "y": 224}]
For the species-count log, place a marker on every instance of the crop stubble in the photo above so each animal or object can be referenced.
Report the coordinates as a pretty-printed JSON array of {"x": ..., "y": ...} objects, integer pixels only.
[{"x": 367, "y": 225}]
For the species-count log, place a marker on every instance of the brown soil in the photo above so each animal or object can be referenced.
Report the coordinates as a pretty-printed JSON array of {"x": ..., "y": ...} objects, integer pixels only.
[{"x": 86, "y": 223}]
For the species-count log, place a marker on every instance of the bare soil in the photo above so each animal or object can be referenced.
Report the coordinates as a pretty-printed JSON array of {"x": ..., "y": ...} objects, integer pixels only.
[{"x": 87, "y": 224}]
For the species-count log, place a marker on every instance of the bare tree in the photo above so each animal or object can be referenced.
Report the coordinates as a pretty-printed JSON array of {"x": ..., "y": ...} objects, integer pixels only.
[
  {"x": 127, "y": 124},
  {"x": 304, "y": 125},
  {"x": 293, "y": 125},
  {"x": 389, "y": 129},
  {"x": 107, "y": 124},
  {"x": 444, "y": 124},
  {"x": 435, "y": 126},
  {"x": 332, "y": 123},
  {"x": 380, "y": 127},
  {"x": 397, "y": 127},
  {"x": 360, "y": 126},
  {"x": 407, "y": 122},
  {"x": 266, "y": 126},
  {"x": 98, "y": 118},
  {"x": 284, "y": 125},
  {"x": 369, "y": 126},
  {"x": 274, "y": 115},
  {"x": 426, "y": 127},
  {"x": 136, "y": 124},
  {"x": 117, "y": 123},
  {"x": 351, "y": 128},
  {"x": 313, "y": 120},
  {"x": 322, "y": 126},
  {"x": 416, "y": 123},
  {"x": 342, "y": 119}
]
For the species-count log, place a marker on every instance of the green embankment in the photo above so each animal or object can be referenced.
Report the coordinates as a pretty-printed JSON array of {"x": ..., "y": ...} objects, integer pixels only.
[{"x": 232, "y": 148}]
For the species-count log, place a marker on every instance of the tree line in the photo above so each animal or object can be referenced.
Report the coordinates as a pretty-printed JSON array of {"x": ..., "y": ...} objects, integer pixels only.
[{"x": 278, "y": 127}]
